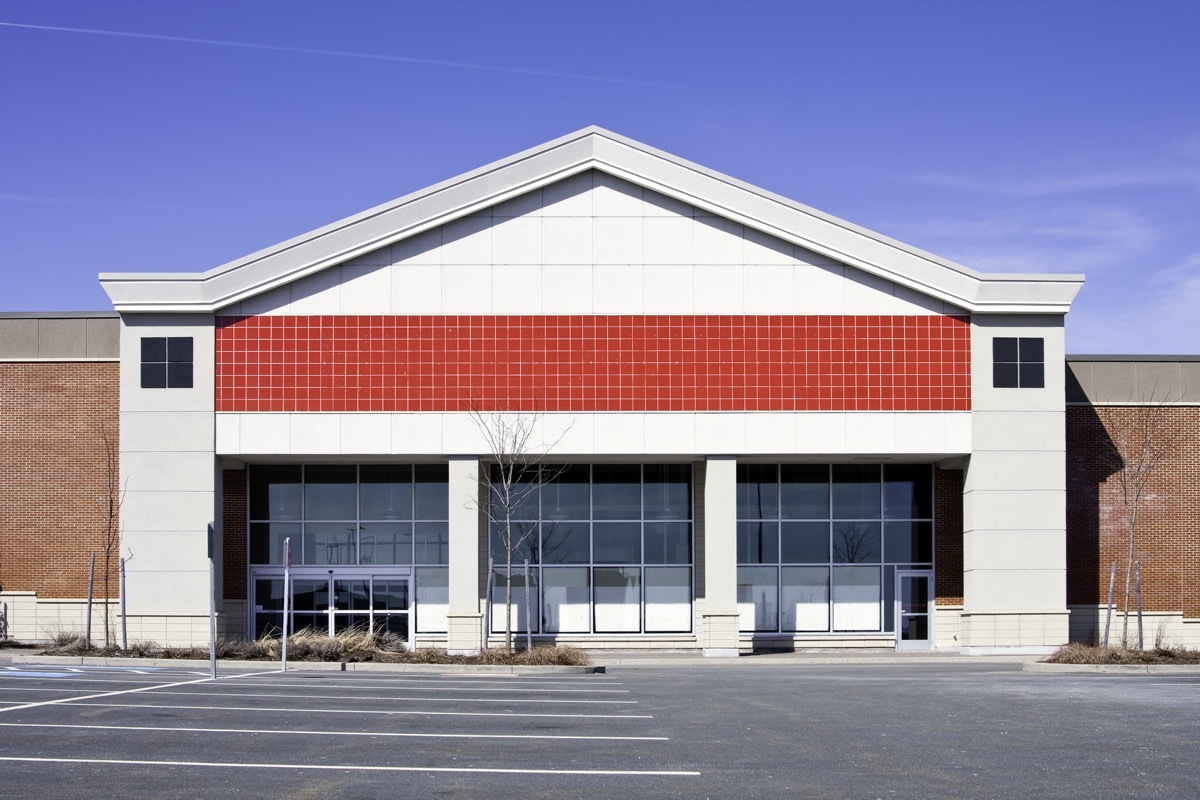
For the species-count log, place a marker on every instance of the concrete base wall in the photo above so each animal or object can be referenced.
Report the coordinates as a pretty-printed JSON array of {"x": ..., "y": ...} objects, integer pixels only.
[
  {"x": 27, "y": 618},
  {"x": 1031, "y": 631},
  {"x": 1168, "y": 629}
]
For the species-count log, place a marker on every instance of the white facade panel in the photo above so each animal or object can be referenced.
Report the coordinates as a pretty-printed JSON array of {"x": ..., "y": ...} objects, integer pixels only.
[
  {"x": 315, "y": 433},
  {"x": 365, "y": 433},
  {"x": 516, "y": 288},
  {"x": 870, "y": 432},
  {"x": 1023, "y": 589},
  {"x": 367, "y": 288},
  {"x": 416, "y": 289},
  {"x": 1011, "y": 549},
  {"x": 807, "y": 434},
  {"x": 164, "y": 471},
  {"x": 668, "y": 289},
  {"x": 466, "y": 289},
  {"x": 991, "y": 510},
  {"x": 265, "y": 433},
  {"x": 821, "y": 432},
  {"x": 417, "y": 434},
  {"x": 721, "y": 433},
  {"x": 617, "y": 289},
  {"x": 486, "y": 263},
  {"x": 620, "y": 432},
  {"x": 166, "y": 431}
]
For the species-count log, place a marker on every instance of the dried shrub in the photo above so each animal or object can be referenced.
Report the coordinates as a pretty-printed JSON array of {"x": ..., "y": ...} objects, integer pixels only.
[
  {"x": 353, "y": 645},
  {"x": 1079, "y": 653}
]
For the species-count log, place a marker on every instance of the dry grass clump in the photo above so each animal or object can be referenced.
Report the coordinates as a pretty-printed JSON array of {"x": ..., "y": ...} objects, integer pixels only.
[
  {"x": 353, "y": 645},
  {"x": 561, "y": 656},
  {"x": 1078, "y": 653}
]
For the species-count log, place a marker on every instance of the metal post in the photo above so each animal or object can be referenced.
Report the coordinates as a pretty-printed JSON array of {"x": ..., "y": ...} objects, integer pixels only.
[
  {"x": 1112, "y": 579},
  {"x": 1137, "y": 566},
  {"x": 212, "y": 606},
  {"x": 91, "y": 580},
  {"x": 287, "y": 597},
  {"x": 121, "y": 591},
  {"x": 487, "y": 606},
  {"x": 528, "y": 611}
]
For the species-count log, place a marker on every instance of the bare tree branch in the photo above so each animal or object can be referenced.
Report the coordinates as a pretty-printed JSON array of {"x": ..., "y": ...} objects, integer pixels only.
[
  {"x": 512, "y": 482},
  {"x": 1140, "y": 440}
]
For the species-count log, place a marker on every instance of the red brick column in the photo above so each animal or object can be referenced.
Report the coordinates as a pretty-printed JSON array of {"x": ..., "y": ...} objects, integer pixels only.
[
  {"x": 948, "y": 536},
  {"x": 234, "y": 532}
]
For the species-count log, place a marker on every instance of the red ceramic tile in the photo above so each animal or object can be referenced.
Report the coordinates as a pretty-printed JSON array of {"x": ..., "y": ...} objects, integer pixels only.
[{"x": 577, "y": 363}]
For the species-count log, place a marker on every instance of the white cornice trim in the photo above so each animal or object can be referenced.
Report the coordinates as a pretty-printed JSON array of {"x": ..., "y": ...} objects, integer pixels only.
[{"x": 590, "y": 148}]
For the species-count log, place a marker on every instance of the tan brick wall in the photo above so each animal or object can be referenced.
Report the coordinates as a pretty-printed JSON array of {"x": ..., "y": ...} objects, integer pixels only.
[
  {"x": 948, "y": 536},
  {"x": 1168, "y": 535},
  {"x": 234, "y": 532},
  {"x": 53, "y": 479}
]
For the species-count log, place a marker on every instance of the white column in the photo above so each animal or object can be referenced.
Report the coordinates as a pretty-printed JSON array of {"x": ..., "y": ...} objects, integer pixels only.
[
  {"x": 1014, "y": 500},
  {"x": 464, "y": 618},
  {"x": 720, "y": 615}
]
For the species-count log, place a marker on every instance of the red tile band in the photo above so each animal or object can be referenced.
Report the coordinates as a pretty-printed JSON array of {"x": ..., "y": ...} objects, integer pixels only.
[{"x": 593, "y": 363}]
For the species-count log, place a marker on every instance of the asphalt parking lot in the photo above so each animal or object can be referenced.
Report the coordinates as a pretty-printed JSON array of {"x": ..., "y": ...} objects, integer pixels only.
[{"x": 804, "y": 731}]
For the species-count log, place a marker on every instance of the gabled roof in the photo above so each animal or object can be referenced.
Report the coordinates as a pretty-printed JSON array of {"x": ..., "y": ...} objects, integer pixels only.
[{"x": 591, "y": 148}]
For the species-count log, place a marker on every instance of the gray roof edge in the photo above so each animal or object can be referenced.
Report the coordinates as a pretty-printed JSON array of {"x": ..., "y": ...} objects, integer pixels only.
[
  {"x": 59, "y": 314},
  {"x": 1134, "y": 358}
]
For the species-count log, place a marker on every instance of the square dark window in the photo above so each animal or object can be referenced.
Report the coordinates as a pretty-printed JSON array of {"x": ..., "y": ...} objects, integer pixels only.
[
  {"x": 1033, "y": 376},
  {"x": 1005, "y": 376},
  {"x": 167, "y": 362},
  {"x": 154, "y": 348},
  {"x": 179, "y": 375},
  {"x": 1018, "y": 362},
  {"x": 1031, "y": 350},
  {"x": 1004, "y": 348},
  {"x": 179, "y": 349},
  {"x": 154, "y": 376}
]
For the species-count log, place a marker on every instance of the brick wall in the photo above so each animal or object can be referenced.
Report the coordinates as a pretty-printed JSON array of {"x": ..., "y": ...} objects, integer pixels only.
[
  {"x": 234, "y": 532},
  {"x": 948, "y": 536},
  {"x": 54, "y": 483},
  {"x": 1168, "y": 530}
]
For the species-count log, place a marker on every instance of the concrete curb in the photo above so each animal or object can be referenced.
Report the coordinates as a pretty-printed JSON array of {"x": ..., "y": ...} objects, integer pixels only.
[
  {"x": 305, "y": 666},
  {"x": 800, "y": 660},
  {"x": 1112, "y": 669}
]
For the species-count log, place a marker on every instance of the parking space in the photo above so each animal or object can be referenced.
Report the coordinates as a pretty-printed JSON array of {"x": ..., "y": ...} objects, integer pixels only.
[
  {"x": 279, "y": 734},
  {"x": 898, "y": 731}
]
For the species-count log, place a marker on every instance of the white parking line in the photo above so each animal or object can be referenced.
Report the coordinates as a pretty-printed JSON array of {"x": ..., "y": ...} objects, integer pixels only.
[
  {"x": 291, "y": 732},
  {"x": 390, "y": 698},
  {"x": 350, "y": 767},
  {"x": 512, "y": 715},
  {"x": 435, "y": 687},
  {"x": 62, "y": 700},
  {"x": 522, "y": 700},
  {"x": 355, "y": 697}
]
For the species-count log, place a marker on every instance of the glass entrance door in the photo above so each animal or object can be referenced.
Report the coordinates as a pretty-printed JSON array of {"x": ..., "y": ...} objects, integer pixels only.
[
  {"x": 328, "y": 601},
  {"x": 914, "y": 607}
]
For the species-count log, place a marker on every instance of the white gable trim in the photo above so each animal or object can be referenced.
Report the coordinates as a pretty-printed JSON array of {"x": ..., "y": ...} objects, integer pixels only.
[{"x": 591, "y": 148}]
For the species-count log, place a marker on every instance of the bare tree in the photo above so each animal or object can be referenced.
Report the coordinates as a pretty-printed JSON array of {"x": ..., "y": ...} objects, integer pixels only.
[
  {"x": 1140, "y": 440},
  {"x": 854, "y": 543},
  {"x": 110, "y": 498},
  {"x": 512, "y": 483}
]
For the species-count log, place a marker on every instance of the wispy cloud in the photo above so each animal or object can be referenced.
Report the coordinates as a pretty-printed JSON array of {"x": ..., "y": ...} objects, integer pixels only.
[
  {"x": 341, "y": 54},
  {"x": 1044, "y": 186},
  {"x": 1125, "y": 220},
  {"x": 38, "y": 199},
  {"x": 1074, "y": 238},
  {"x": 1176, "y": 165}
]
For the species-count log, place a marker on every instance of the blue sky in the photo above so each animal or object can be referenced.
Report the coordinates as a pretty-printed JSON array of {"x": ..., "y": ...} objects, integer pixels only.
[{"x": 171, "y": 135}]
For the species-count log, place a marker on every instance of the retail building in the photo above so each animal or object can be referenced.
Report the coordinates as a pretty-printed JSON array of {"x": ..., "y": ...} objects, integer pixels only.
[{"x": 768, "y": 428}]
